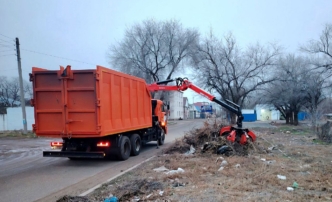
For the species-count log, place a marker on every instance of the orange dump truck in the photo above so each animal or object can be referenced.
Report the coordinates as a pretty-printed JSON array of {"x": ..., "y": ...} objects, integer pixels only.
[{"x": 97, "y": 113}]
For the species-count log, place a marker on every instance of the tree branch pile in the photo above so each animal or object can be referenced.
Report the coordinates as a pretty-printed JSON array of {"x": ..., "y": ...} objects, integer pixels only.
[{"x": 207, "y": 140}]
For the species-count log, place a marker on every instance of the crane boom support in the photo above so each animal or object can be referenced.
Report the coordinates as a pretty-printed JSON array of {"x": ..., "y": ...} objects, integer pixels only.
[{"x": 183, "y": 84}]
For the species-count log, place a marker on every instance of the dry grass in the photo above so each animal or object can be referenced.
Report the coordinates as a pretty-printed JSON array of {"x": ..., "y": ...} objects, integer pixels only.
[
  {"x": 17, "y": 134},
  {"x": 251, "y": 177}
]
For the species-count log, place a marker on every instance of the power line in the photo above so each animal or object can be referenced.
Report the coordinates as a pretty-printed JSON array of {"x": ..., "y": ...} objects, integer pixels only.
[
  {"x": 6, "y": 36},
  {"x": 5, "y": 45},
  {"x": 11, "y": 42},
  {"x": 6, "y": 55},
  {"x": 55, "y": 56},
  {"x": 7, "y": 50},
  {"x": 4, "y": 70}
]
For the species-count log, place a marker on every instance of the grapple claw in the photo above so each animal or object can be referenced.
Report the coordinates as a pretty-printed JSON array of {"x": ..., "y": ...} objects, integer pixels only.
[{"x": 237, "y": 134}]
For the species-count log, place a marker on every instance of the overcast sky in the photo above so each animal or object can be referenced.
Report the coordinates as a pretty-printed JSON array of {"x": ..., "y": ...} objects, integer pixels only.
[{"x": 79, "y": 32}]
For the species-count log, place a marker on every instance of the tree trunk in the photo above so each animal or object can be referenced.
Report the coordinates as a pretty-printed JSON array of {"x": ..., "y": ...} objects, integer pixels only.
[
  {"x": 291, "y": 118},
  {"x": 296, "y": 119},
  {"x": 287, "y": 118},
  {"x": 313, "y": 116}
]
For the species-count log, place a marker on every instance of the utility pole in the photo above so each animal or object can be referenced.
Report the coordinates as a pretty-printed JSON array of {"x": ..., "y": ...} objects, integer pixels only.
[{"x": 21, "y": 86}]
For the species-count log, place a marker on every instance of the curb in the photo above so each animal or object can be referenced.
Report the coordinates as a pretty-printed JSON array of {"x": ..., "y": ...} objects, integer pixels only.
[{"x": 118, "y": 175}]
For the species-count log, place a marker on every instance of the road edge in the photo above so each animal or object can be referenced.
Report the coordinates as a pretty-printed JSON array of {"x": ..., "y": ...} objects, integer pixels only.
[{"x": 112, "y": 178}]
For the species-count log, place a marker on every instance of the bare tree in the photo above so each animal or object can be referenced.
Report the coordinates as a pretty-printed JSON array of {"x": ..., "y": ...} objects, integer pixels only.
[
  {"x": 325, "y": 107},
  {"x": 319, "y": 80},
  {"x": 322, "y": 48},
  {"x": 298, "y": 86},
  {"x": 10, "y": 91},
  {"x": 317, "y": 85},
  {"x": 153, "y": 50},
  {"x": 233, "y": 73},
  {"x": 287, "y": 92},
  {"x": 180, "y": 43},
  {"x": 28, "y": 90}
]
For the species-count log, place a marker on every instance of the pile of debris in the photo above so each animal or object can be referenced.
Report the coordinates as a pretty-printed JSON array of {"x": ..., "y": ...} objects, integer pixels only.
[
  {"x": 73, "y": 199},
  {"x": 208, "y": 140},
  {"x": 138, "y": 187}
]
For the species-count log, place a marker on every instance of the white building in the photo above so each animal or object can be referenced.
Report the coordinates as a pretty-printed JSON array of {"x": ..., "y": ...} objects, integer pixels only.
[
  {"x": 175, "y": 98},
  {"x": 185, "y": 108},
  {"x": 193, "y": 112},
  {"x": 266, "y": 112}
]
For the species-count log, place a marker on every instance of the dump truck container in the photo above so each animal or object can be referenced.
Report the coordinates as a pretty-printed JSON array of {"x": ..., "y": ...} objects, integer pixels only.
[{"x": 88, "y": 103}]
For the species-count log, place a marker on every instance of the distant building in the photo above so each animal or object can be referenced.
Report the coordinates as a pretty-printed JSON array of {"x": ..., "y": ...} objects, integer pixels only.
[
  {"x": 217, "y": 109},
  {"x": 266, "y": 112},
  {"x": 249, "y": 115},
  {"x": 204, "y": 109},
  {"x": 185, "y": 108},
  {"x": 175, "y": 99},
  {"x": 194, "y": 111}
]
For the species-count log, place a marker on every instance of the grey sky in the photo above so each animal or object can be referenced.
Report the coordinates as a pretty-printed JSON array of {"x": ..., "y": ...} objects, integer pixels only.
[{"x": 83, "y": 30}]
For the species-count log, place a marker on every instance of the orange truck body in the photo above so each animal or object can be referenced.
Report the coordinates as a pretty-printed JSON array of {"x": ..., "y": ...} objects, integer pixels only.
[{"x": 88, "y": 103}]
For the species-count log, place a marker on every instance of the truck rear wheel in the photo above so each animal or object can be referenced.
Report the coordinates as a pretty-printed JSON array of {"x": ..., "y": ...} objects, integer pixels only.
[
  {"x": 135, "y": 141},
  {"x": 124, "y": 149}
]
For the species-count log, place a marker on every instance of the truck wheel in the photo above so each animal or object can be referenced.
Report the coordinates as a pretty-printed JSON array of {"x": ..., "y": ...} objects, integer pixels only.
[
  {"x": 135, "y": 141},
  {"x": 124, "y": 150},
  {"x": 161, "y": 141}
]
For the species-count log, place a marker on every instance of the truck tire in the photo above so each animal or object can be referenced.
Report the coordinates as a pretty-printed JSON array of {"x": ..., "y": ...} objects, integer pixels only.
[
  {"x": 124, "y": 149},
  {"x": 161, "y": 140},
  {"x": 136, "y": 143}
]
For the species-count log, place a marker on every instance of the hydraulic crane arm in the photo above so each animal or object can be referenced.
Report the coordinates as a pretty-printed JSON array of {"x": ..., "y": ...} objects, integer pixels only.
[{"x": 183, "y": 84}]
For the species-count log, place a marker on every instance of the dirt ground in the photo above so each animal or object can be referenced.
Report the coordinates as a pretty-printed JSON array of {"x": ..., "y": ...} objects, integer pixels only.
[{"x": 283, "y": 157}]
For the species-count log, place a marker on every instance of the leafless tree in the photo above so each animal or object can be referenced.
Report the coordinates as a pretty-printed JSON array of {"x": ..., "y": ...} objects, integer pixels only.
[
  {"x": 316, "y": 88},
  {"x": 287, "y": 92},
  {"x": 28, "y": 92},
  {"x": 321, "y": 48},
  {"x": 153, "y": 50},
  {"x": 298, "y": 86},
  {"x": 231, "y": 72},
  {"x": 325, "y": 107},
  {"x": 10, "y": 91},
  {"x": 322, "y": 51}
]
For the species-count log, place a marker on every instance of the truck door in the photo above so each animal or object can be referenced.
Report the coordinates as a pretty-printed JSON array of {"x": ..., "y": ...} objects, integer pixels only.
[
  {"x": 80, "y": 103},
  {"x": 65, "y": 102}
]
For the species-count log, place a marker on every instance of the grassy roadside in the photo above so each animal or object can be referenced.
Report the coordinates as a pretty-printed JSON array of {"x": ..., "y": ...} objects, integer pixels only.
[
  {"x": 290, "y": 153},
  {"x": 17, "y": 134}
]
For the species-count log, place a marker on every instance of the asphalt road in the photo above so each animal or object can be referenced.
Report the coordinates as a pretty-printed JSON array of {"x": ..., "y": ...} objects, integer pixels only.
[{"x": 27, "y": 176}]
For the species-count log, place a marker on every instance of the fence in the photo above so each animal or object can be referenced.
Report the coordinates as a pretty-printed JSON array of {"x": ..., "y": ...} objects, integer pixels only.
[{"x": 13, "y": 119}]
